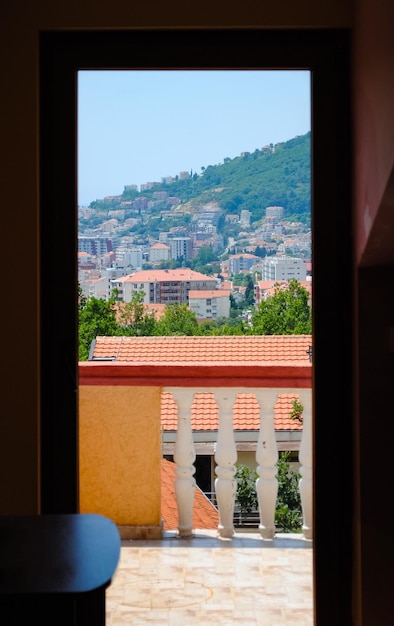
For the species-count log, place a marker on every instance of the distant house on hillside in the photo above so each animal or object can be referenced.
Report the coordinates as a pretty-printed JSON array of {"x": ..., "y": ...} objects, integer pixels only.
[{"x": 242, "y": 262}]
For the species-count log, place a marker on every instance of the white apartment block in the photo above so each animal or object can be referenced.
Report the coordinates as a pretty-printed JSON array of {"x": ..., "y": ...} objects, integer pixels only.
[
  {"x": 245, "y": 217},
  {"x": 163, "y": 286},
  {"x": 129, "y": 257},
  {"x": 181, "y": 247},
  {"x": 210, "y": 304},
  {"x": 275, "y": 212},
  {"x": 159, "y": 252},
  {"x": 100, "y": 288},
  {"x": 242, "y": 262},
  {"x": 283, "y": 268}
]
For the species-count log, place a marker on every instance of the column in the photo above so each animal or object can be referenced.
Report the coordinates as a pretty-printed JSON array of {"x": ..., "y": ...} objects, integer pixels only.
[
  {"x": 267, "y": 457},
  {"x": 184, "y": 457},
  {"x": 306, "y": 469},
  {"x": 226, "y": 457}
]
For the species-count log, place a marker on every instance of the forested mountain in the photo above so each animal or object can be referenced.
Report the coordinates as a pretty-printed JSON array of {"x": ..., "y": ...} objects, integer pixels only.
[{"x": 276, "y": 175}]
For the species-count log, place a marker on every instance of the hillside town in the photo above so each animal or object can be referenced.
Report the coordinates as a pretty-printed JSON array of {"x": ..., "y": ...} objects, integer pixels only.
[{"x": 112, "y": 256}]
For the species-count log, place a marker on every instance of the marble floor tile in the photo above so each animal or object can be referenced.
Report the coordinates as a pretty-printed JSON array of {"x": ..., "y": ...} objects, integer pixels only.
[{"x": 205, "y": 581}]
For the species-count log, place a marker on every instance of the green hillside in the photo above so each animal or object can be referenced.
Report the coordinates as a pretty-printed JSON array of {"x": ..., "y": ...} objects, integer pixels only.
[{"x": 276, "y": 175}]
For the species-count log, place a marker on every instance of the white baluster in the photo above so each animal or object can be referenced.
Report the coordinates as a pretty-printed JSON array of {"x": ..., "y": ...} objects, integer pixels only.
[
  {"x": 306, "y": 469},
  {"x": 184, "y": 457},
  {"x": 226, "y": 457},
  {"x": 267, "y": 457}
]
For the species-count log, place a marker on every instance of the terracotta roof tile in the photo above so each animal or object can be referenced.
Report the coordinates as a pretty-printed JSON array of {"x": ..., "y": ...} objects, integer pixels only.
[
  {"x": 182, "y": 274},
  {"x": 282, "y": 410},
  {"x": 261, "y": 349},
  {"x": 246, "y": 412},
  {"x": 205, "y": 515}
]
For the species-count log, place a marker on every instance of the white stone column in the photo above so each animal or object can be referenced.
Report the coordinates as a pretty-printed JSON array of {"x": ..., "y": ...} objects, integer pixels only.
[
  {"x": 267, "y": 457},
  {"x": 184, "y": 457},
  {"x": 306, "y": 470},
  {"x": 226, "y": 457}
]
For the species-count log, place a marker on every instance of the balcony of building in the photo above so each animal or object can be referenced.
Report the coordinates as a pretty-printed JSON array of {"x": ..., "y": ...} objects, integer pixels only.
[
  {"x": 120, "y": 424},
  {"x": 177, "y": 568}
]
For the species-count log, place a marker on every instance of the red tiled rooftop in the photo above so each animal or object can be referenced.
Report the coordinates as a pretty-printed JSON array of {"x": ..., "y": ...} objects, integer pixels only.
[
  {"x": 234, "y": 349},
  {"x": 204, "y": 513},
  {"x": 177, "y": 274},
  {"x": 246, "y": 412}
]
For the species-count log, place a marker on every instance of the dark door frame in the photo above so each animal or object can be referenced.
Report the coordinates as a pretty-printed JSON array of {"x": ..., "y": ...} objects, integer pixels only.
[{"x": 326, "y": 53}]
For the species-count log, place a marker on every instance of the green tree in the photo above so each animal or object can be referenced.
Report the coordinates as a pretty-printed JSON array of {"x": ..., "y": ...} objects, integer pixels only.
[
  {"x": 177, "y": 320},
  {"x": 81, "y": 298},
  {"x": 133, "y": 318},
  {"x": 96, "y": 317},
  {"x": 287, "y": 312},
  {"x": 249, "y": 292},
  {"x": 288, "y": 512},
  {"x": 246, "y": 488}
]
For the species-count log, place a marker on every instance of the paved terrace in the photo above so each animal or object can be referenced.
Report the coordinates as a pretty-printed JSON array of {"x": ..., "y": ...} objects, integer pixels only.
[{"x": 203, "y": 581}]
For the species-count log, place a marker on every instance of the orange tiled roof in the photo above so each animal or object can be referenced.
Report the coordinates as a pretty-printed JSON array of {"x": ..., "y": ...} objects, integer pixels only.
[
  {"x": 204, "y": 513},
  {"x": 239, "y": 349},
  {"x": 178, "y": 274},
  {"x": 155, "y": 308},
  {"x": 246, "y": 412},
  {"x": 209, "y": 293}
]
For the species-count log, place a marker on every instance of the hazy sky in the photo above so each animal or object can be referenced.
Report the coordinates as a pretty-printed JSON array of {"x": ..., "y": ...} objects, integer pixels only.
[{"x": 139, "y": 126}]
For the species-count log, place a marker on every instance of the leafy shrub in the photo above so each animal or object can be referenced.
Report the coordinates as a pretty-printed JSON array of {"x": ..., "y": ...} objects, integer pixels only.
[
  {"x": 288, "y": 511},
  {"x": 246, "y": 488}
]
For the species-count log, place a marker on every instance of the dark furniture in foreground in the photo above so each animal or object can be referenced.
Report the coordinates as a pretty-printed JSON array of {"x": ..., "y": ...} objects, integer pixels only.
[{"x": 54, "y": 569}]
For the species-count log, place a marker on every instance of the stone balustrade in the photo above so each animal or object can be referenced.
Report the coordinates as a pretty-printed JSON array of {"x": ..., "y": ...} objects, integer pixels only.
[{"x": 226, "y": 458}]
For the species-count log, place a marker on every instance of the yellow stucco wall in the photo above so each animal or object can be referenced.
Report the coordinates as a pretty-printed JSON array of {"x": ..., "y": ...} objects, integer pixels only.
[{"x": 119, "y": 453}]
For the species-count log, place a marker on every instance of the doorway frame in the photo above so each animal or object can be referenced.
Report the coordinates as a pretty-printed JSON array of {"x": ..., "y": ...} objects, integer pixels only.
[{"x": 326, "y": 54}]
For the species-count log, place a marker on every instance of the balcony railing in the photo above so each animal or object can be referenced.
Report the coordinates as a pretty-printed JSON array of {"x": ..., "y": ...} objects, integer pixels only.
[
  {"x": 226, "y": 458},
  {"x": 120, "y": 413}
]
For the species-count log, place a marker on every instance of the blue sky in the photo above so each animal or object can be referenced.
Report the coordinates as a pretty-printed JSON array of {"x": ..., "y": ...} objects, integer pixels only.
[{"x": 141, "y": 125}]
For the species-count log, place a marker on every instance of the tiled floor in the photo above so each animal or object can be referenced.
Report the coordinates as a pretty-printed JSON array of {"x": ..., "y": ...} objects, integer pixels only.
[{"x": 204, "y": 581}]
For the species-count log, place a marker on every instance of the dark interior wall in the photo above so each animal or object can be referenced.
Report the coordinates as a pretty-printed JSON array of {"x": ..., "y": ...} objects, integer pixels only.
[
  {"x": 373, "y": 105},
  {"x": 20, "y": 24},
  {"x": 376, "y": 432},
  {"x": 373, "y": 131},
  {"x": 373, "y": 88}
]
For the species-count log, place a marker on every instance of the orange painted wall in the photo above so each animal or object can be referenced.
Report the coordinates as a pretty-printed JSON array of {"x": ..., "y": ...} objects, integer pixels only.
[{"x": 120, "y": 452}]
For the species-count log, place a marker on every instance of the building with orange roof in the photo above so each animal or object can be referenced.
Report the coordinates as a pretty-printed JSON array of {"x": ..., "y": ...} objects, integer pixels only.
[
  {"x": 285, "y": 350},
  {"x": 163, "y": 286},
  {"x": 210, "y": 304},
  {"x": 264, "y": 289},
  {"x": 159, "y": 252},
  {"x": 157, "y": 310},
  {"x": 205, "y": 514}
]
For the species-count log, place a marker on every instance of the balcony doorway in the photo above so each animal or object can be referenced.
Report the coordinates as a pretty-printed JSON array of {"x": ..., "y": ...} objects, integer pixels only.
[{"x": 325, "y": 55}]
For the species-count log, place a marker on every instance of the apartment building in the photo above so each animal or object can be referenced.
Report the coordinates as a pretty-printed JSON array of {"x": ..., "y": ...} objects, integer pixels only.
[
  {"x": 210, "y": 304},
  {"x": 181, "y": 247},
  {"x": 275, "y": 212},
  {"x": 94, "y": 245},
  {"x": 159, "y": 252},
  {"x": 242, "y": 262},
  {"x": 129, "y": 257},
  {"x": 163, "y": 286},
  {"x": 283, "y": 268},
  {"x": 264, "y": 289}
]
